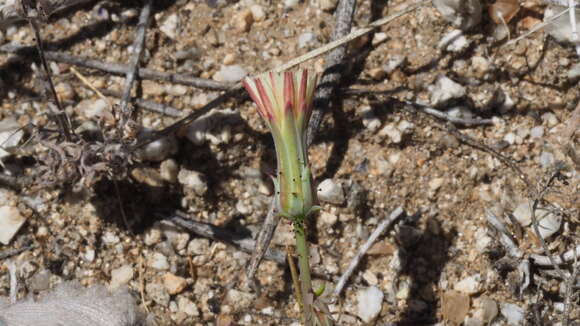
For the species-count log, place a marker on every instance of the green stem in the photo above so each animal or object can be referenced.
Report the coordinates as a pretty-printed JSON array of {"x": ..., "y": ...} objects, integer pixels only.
[{"x": 305, "y": 279}]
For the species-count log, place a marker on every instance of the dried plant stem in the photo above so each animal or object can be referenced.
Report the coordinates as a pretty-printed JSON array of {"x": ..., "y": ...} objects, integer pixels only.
[
  {"x": 536, "y": 28},
  {"x": 127, "y": 112},
  {"x": 262, "y": 243},
  {"x": 305, "y": 277},
  {"x": 398, "y": 212},
  {"x": 61, "y": 118}
]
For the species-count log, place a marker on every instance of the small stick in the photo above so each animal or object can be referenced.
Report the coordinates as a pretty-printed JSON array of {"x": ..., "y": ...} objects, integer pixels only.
[
  {"x": 572, "y": 11},
  {"x": 12, "y": 252},
  {"x": 362, "y": 251},
  {"x": 127, "y": 113},
  {"x": 218, "y": 234},
  {"x": 536, "y": 28},
  {"x": 122, "y": 69},
  {"x": 87, "y": 83},
  {"x": 13, "y": 282},
  {"x": 332, "y": 70},
  {"x": 262, "y": 243},
  {"x": 512, "y": 249},
  {"x": 149, "y": 105},
  {"x": 565, "y": 258}
]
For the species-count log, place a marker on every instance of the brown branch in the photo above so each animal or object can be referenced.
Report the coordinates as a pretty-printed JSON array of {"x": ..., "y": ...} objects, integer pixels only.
[{"x": 127, "y": 112}]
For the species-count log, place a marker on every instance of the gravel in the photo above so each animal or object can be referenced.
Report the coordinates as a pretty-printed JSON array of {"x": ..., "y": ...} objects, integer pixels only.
[
  {"x": 331, "y": 192},
  {"x": 370, "y": 301}
]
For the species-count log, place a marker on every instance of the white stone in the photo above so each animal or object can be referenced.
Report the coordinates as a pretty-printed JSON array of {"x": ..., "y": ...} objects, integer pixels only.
[
  {"x": 94, "y": 109},
  {"x": 158, "y": 261},
  {"x": 574, "y": 72},
  {"x": 193, "y": 180},
  {"x": 306, "y": 39},
  {"x": 523, "y": 213},
  {"x": 548, "y": 222},
  {"x": 512, "y": 313},
  {"x": 10, "y": 222},
  {"x": 463, "y": 14},
  {"x": 537, "y": 132},
  {"x": 89, "y": 255},
  {"x": 231, "y": 73},
  {"x": 546, "y": 159},
  {"x": 394, "y": 62},
  {"x": 290, "y": 3},
  {"x": 392, "y": 132},
  {"x": 510, "y": 138},
  {"x": 485, "y": 309},
  {"x": 328, "y": 219},
  {"x": 560, "y": 28},
  {"x": 331, "y": 192},
  {"x": 10, "y": 136},
  {"x": 242, "y": 300},
  {"x": 121, "y": 276},
  {"x": 469, "y": 285},
  {"x": 170, "y": 25},
  {"x": 187, "y": 306},
  {"x": 258, "y": 12},
  {"x": 370, "y": 301},
  {"x": 198, "y": 247},
  {"x": 158, "y": 150},
  {"x": 454, "y": 41},
  {"x": 444, "y": 90},
  {"x": 369, "y": 119},
  {"x": 169, "y": 170},
  {"x": 158, "y": 293},
  {"x": 327, "y": 5}
]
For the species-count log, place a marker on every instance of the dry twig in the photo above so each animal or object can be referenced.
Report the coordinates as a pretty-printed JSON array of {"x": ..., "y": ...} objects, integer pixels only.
[
  {"x": 127, "y": 112},
  {"x": 12, "y": 252},
  {"x": 398, "y": 212}
]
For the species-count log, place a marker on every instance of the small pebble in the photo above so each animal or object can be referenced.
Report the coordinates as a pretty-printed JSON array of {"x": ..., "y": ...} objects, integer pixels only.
[
  {"x": 537, "y": 132},
  {"x": 187, "y": 306},
  {"x": 241, "y": 300},
  {"x": 121, "y": 276},
  {"x": 523, "y": 213},
  {"x": 546, "y": 159},
  {"x": 393, "y": 62},
  {"x": 193, "y": 180},
  {"x": 231, "y": 73},
  {"x": 158, "y": 293},
  {"x": 548, "y": 222},
  {"x": 485, "y": 309},
  {"x": 10, "y": 135},
  {"x": 512, "y": 313},
  {"x": 243, "y": 20},
  {"x": 110, "y": 238},
  {"x": 574, "y": 72},
  {"x": 454, "y": 41},
  {"x": 445, "y": 90},
  {"x": 306, "y": 40},
  {"x": 174, "y": 284},
  {"x": 369, "y": 119},
  {"x": 469, "y": 285},
  {"x": 370, "y": 301},
  {"x": 392, "y": 132},
  {"x": 158, "y": 150},
  {"x": 169, "y": 170},
  {"x": 10, "y": 222},
  {"x": 258, "y": 12},
  {"x": 463, "y": 14},
  {"x": 40, "y": 281},
  {"x": 331, "y": 192},
  {"x": 170, "y": 25},
  {"x": 327, "y": 5},
  {"x": 288, "y": 4},
  {"x": 158, "y": 261}
]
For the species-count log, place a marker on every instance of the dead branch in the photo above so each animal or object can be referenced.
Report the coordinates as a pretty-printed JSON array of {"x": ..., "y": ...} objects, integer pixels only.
[
  {"x": 148, "y": 105},
  {"x": 127, "y": 112},
  {"x": 398, "y": 212},
  {"x": 13, "y": 252}
]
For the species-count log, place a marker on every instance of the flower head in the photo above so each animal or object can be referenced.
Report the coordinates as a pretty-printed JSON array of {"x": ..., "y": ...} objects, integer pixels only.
[{"x": 284, "y": 101}]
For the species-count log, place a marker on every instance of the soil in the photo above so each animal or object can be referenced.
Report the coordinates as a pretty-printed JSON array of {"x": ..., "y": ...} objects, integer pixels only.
[{"x": 446, "y": 187}]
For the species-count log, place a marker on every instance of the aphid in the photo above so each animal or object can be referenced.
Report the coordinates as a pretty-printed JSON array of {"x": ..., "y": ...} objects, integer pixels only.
[{"x": 502, "y": 11}]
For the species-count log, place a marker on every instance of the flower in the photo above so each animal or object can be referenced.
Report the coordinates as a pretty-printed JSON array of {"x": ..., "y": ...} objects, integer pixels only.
[{"x": 284, "y": 101}]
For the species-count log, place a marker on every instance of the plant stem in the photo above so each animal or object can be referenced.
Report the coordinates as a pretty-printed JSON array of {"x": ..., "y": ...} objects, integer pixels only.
[{"x": 305, "y": 279}]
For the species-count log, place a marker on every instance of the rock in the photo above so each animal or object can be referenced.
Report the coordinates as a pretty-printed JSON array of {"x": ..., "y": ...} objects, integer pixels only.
[
  {"x": 198, "y": 247},
  {"x": 460, "y": 112},
  {"x": 485, "y": 309},
  {"x": 213, "y": 126},
  {"x": 523, "y": 213},
  {"x": 243, "y": 20},
  {"x": 512, "y": 313},
  {"x": 328, "y": 219},
  {"x": 306, "y": 40},
  {"x": 537, "y": 132},
  {"x": 258, "y": 12},
  {"x": 445, "y": 90},
  {"x": 393, "y": 62},
  {"x": 392, "y": 132},
  {"x": 548, "y": 222},
  {"x": 187, "y": 306},
  {"x": 232, "y": 74},
  {"x": 173, "y": 283},
  {"x": 241, "y": 300},
  {"x": 10, "y": 136},
  {"x": 546, "y": 159},
  {"x": 110, "y": 238},
  {"x": 65, "y": 91},
  {"x": 153, "y": 88},
  {"x": 550, "y": 119},
  {"x": 170, "y": 25},
  {"x": 158, "y": 261},
  {"x": 157, "y": 292},
  {"x": 369, "y": 119},
  {"x": 159, "y": 149},
  {"x": 574, "y": 72},
  {"x": 331, "y": 192},
  {"x": 176, "y": 90},
  {"x": 469, "y": 285},
  {"x": 327, "y": 5},
  {"x": 455, "y": 306},
  {"x": 121, "y": 276},
  {"x": 243, "y": 208},
  {"x": 40, "y": 281},
  {"x": 370, "y": 301},
  {"x": 454, "y": 41},
  {"x": 193, "y": 180},
  {"x": 560, "y": 28},
  {"x": 10, "y": 222},
  {"x": 153, "y": 236},
  {"x": 463, "y": 14},
  {"x": 89, "y": 255},
  {"x": 169, "y": 170},
  {"x": 289, "y": 4}
]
